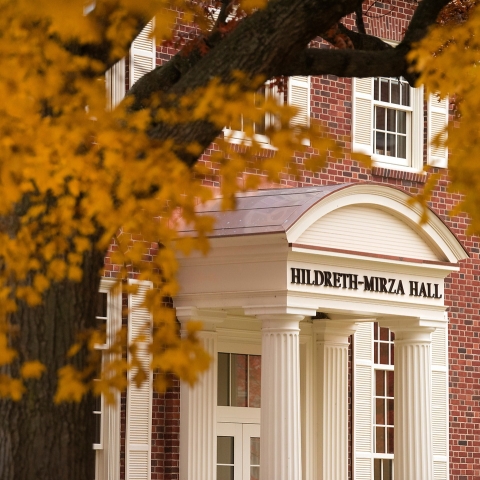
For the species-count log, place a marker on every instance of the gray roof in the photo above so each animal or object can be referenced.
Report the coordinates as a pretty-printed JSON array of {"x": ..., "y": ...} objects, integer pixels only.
[{"x": 263, "y": 211}]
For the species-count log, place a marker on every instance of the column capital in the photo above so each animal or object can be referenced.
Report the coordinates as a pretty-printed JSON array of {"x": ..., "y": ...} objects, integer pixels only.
[
  {"x": 283, "y": 321},
  {"x": 336, "y": 331},
  {"x": 415, "y": 329},
  {"x": 209, "y": 318}
]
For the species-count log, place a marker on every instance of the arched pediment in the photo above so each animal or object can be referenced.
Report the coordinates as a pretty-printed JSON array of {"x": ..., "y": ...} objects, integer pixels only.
[{"x": 376, "y": 219}]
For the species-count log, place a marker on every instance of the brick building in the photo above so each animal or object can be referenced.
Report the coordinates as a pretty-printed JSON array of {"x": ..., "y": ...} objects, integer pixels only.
[{"x": 326, "y": 306}]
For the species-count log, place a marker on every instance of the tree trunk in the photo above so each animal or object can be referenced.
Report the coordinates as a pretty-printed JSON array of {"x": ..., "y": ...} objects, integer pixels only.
[{"x": 38, "y": 439}]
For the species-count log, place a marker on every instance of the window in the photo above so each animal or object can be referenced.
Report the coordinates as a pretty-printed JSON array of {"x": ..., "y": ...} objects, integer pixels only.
[
  {"x": 388, "y": 122},
  {"x": 392, "y": 120},
  {"x": 239, "y": 379},
  {"x": 296, "y": 94},
  {"x": 383, "y": 353}
]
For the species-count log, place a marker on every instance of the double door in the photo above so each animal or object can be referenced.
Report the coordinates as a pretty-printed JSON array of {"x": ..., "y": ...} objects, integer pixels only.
[{"x": 238, "y": 451}]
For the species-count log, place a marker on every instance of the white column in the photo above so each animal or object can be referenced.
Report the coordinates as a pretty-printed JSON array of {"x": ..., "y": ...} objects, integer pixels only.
[
  {"x": 413, "y": 405},
  {"x": 280, "y": 436},
  {"x": 332, "y": 398},
  {"x": 198, "y": 406}
]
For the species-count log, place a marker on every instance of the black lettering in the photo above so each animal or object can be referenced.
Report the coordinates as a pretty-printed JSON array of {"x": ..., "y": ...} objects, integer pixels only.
[
  {"x": 392, "y": 284},
  {"x": 328, "y": 278},
  {"x": 353, "y": 284},
  {"x": 383, "y": 285},
  {"x": 400, "y": 288},
  {"x": 369, "y": 283},
  {"x": 422, "y": 290},
  {"x": 429, "y": 293},
  {"x": 336, "y": 279},
  {"x": 318, "y": 277},
  {"x": 435, "y": 286},
  {"x": 307, "y": 280},
  {"x": 295, "y": 275},
  {"x": 413, "y": 288}
]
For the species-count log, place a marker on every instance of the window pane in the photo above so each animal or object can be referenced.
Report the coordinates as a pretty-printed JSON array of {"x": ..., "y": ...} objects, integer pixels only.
[
  {"x": 222, "y": 380},
  {"x": 402, "y": 146},
  {"x": 225, "y": 450},
  {"x": 384, "y": 334},
  {"x": 380, "y": 411},
  {"x": 380, "y": 143},
  {"x": 380, "y": 118},
  {"x": 238, "y": 380},
  {"x": 255, "y": 451},
  {"x": 102, "y": 305},
  {"x": 390, "y": 412},
  {"x": 98, "y": 428},
  {"x": 395, "y": 91},
  {"x": 384, "y": 348},
  {"x": 375, "y": 352},
  {"x": 390, "y": 440},
  {"x": 224, "y": 472},
  {"x": 254, "y": 473},
  {"x": 379, "y": 383},
  {"x": 377, "y": 466},
  {"x": 406, "y": 94},
  {"x": 384, "y": 90},
  {"x": 380, "y": 439},
  {"x": 390, "y": 145},
  {"x": 254, "y": 381},
  {"x": 390, "y": 382},
  {"x": 402, "y": 122},
  {"x": 375, "y": 89},
  {"x": 391, "y": 120},
  {"x": 387, "y": 469}
]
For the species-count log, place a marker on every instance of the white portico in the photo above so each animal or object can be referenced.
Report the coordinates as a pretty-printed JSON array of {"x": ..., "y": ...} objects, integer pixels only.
[{"x": 292, "y": 274}]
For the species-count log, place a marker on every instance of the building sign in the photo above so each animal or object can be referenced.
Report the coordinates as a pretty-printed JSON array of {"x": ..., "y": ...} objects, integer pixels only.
[{"x": 366, "y": 283}]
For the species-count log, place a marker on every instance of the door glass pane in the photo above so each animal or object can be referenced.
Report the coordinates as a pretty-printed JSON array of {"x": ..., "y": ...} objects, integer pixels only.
[
  {"x": 225, "y": 450},
  {"x": 239, "y": 380},
  {"x": 224, "y": 472},
  {"x": 254, "y": 381},
  {"x": 254, "y": 458}
]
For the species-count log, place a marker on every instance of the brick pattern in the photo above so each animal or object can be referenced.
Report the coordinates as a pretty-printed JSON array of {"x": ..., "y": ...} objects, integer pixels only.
[{"x": 331, "y": 102}]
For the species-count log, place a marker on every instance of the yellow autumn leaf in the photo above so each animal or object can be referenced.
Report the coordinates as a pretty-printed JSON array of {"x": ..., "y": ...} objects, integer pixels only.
[{"x": 32, "y": 369}]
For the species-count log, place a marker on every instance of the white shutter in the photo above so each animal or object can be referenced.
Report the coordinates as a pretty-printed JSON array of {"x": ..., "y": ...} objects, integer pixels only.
[
  {"x": 139, "y": 400},
  {"x": 362, "y": 115},
  {"x": 440, "y": 404},
  {"x": 299, "y": 96},
  {"x": 363, "y": 401},
  {"x": 437, "y": 121},
  {"x": 115, "y": 82},
  {"x": 142, "y": 53}
]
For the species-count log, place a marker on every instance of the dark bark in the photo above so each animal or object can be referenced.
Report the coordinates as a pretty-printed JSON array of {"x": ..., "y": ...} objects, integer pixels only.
[{"x": 38, "y": 439}]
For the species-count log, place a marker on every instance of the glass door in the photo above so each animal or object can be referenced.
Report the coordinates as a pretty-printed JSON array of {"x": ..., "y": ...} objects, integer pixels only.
[{"x": 238, "y": 451}]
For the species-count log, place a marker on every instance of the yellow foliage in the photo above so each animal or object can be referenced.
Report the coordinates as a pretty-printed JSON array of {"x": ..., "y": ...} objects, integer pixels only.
[
  {"x": 33, "y": 369},
  {"x": 447, "y": 62},
  {"x": 87, "y": 175}
]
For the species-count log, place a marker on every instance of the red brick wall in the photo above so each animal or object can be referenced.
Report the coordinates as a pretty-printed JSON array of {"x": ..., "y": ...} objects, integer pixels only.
[{"x": 331, "y": 101}]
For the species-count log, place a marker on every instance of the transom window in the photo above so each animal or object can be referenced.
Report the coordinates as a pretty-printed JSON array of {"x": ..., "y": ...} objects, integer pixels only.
[
  {"x": 383, "y": 352},
  {"x": 392, "y": 119},
  {"x": 239, "y": 378}
]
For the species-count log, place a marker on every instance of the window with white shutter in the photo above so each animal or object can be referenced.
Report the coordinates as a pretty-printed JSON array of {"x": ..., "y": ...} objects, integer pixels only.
[
  {"x": 373, "y": 403},
  {"x": 297, "y": 95},
  {"x": 388, "y": 122},
  {"x": 139, "y": 399},
  {"x": 437, "y": 121},
  {"x": 142, "y": 53},
  {"x": 107, "y": 416},
  {"x": 115, "y": 83}
]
